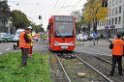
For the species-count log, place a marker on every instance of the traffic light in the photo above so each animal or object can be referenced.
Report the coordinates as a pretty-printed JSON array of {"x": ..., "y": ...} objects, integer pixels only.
[
  {"x": 104, "y": 3},
  {"x": 40, "y": 17}
]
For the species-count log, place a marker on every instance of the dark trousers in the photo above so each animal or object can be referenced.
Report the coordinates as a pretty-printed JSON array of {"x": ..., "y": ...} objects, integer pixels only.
[
  {"x": 30, "y": 50},
  {"x": 117, "y": 59},
  {"x": 25, "y": 52}
]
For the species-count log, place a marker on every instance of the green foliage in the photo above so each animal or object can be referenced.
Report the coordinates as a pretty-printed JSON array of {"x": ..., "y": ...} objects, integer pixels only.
[
  {"x": 37, "y": 28},
  {"x": 79, "y": 20},
  {"x": 4, "y": 10},
  {"x": 93, "y": 12},
  {"x": 19, "y": 19},
  {"x": 37, "y": 70}
]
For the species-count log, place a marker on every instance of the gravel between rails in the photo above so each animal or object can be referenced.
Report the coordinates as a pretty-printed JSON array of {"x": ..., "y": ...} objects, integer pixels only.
[
  {"x": 74, "y": 66},
  {"x": 102, "y": 66},
  {"x": 57, "y": 73}
]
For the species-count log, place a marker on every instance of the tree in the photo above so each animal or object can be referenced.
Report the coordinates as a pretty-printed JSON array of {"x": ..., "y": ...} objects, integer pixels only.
[
  {"x": 93, "y": 12},
  {"x": 79, "y": 20},
  {"x": 37, "y": 28},
  {"x": 4, "y": 11},
  {"x": 19, "y": 19}
]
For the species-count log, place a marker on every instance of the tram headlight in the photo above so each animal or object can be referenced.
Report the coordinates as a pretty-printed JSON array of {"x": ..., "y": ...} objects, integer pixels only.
[{"x": 56, "y": 43}]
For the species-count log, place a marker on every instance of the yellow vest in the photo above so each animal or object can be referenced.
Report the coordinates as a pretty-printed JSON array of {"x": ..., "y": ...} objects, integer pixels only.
[{"x": 30, "y": 35}]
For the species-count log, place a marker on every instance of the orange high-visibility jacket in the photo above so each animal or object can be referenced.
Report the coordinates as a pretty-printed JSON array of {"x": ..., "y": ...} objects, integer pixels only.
[
  {"x": 22, "y": 42},
  {"x": 37, "y": 35},
  {"x": 117, "y": 49}
]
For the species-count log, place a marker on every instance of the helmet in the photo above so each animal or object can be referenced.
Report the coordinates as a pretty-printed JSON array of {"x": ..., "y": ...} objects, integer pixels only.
[{"x": 29, "y": 27}]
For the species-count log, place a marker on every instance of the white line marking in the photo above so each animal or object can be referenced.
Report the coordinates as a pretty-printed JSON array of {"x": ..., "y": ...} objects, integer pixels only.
[{"x": 0, "y": 52}]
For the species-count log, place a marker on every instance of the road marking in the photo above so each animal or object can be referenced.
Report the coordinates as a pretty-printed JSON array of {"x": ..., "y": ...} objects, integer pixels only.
[
  {"x": 8, "y": 49},
  {"x": 0, "y": 53}
]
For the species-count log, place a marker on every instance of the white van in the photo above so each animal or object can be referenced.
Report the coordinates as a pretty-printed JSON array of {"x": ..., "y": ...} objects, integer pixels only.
[
  {"x": 18, "y": 32},
  {"x": 16, "y": 38}
]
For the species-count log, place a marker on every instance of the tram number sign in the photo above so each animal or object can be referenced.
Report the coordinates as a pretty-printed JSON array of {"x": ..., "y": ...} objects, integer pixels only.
[{"x": 64, "y": 47}]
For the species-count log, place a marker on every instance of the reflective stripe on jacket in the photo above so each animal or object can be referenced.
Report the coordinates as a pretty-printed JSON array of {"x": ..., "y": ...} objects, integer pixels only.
[
  {"x": 22, "y": 42},
  {"x": 117, "y": 47}
]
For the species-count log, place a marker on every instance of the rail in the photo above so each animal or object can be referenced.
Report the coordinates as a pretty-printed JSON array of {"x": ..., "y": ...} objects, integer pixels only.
[
  {"x": 69, "y": 80},
  {"x": 104, "y": 76}
]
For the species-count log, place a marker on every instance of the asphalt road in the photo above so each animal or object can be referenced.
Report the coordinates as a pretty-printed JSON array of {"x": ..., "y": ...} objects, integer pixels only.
[
  {"x": 37, "y": 47},
  {"x": 102, "y": 48},
  {"x": 6, "y": 47}
]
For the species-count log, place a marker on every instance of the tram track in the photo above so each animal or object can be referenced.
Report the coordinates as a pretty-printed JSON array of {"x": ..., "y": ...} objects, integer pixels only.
[
  {"x": 66, "y": 74},
  {"x": 96, "y": 75},
  {"x": 101, "y": 74},
  {"x": 103, "y": 64}
]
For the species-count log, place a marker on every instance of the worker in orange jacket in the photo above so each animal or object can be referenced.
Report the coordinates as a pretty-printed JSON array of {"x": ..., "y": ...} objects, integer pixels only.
[
  {"x": 24, "y": 44},
  {"x": 31, "y": 36},
  {"x": 117, "y": 47},
  {"x": 36, "y": 36}
]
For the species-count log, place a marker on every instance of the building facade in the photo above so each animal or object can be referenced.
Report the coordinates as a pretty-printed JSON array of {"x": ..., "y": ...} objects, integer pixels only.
[{"x": 115, "y": 20}]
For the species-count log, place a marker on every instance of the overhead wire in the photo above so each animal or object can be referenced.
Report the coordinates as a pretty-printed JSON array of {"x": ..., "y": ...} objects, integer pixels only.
[
  {"x": 75, "y": 5},
  {"x": 63, "y": 3},
  {"x": 24, "y": 3},
  {"x": 55, "y": 6},
  {"x": 56, "y": 3}
]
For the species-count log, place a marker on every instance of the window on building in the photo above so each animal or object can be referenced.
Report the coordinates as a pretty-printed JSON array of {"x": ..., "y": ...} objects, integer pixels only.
[
  {"x": 109, "y": 21},
  {"x": 109, "y": 12},
  {"x": 99, "y": 23},
  {"x": 112, "y": 12},
  {"x": 116, "y": 20},
  {"x": 120, "y": 9},
  {"x": 116, "y": 2},
  {"x": 112, "y": 2},
  {"x": 119, "y": 20},
  {"x": 116, "y": 11},
  {"x": 112, "y": 21}
]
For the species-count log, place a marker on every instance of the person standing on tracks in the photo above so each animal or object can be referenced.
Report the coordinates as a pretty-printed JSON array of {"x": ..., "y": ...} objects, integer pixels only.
[
  {"x": 30, "y": 35},
  {"x": 117, "y": 47},
  {"x": 24, "y": 44}
]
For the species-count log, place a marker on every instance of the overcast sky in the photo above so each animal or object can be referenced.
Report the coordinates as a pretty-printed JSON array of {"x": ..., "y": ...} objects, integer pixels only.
[{"x": 45, "y": 8}]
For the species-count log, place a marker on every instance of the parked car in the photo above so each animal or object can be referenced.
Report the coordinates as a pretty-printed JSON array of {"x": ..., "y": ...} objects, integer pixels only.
[
  {"x": 7, "y": 37},
  {"x": 1, "y": 37},
  {"x": 89, "y": 37},
  {"x": 1, "y": 40},
  {"x": 16, "y": 38},
  {"x": 81, "y": 37}
]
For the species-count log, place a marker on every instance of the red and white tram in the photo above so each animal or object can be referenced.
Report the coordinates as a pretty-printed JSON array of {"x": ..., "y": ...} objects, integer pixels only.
[{"x": 62, "y": 33}]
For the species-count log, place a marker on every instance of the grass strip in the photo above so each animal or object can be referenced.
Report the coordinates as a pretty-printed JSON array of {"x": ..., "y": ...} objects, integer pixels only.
[{"x": 37, "y": 69}]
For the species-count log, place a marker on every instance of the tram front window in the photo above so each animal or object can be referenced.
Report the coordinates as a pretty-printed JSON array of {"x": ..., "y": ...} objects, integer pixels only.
[{"x": 64, "y": 29}]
